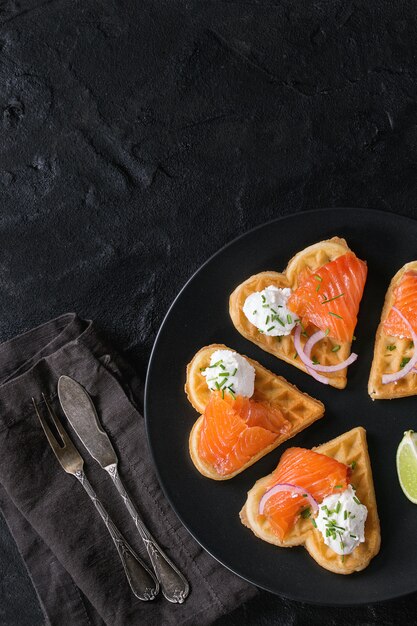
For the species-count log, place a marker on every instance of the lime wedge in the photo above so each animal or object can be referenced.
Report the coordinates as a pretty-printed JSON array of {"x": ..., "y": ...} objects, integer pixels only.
[{"x": 407, "y": 465}]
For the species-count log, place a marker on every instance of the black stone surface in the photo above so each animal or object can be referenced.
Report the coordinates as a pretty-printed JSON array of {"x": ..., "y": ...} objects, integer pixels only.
[{"x": 139, "y": 137}]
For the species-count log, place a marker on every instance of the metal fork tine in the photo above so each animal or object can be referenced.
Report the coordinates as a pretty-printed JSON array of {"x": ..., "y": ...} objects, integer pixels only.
[
  {"x": 56, "y": 422},
  {"x": 48, "y": 432},
  {"x": 65, "y": 451}
]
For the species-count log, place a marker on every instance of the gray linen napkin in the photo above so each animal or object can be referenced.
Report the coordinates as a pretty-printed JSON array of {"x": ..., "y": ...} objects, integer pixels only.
[{"x": 67, "y": 550}]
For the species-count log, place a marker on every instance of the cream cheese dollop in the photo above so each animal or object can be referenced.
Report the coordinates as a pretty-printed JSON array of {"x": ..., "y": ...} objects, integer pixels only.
[
  {"x": 231, "y": 372},
  {"x": 268, "y": 311},
  {"x": 341, "y": 521}
]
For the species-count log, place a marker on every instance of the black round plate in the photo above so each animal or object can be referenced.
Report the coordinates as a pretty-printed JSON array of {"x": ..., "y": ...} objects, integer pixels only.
[{"x": 210, "y": 509}]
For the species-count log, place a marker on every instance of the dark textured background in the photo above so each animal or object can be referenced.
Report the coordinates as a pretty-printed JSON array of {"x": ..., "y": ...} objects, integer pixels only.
[{"x": 139, "y": 137}]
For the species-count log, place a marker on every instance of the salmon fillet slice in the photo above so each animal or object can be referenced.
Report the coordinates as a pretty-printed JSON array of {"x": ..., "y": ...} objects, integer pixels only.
[
  {"x": 329, "y": 298},
  {"x": 319, "y": 474},
  {"x": 235, "y": 429},
  {"x": 406, "y": 302}
]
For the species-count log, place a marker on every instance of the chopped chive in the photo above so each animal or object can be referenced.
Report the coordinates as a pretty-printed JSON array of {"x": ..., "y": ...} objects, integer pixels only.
[
  {"x": 335, "y": 348},
  {"x": 234, "y": 371},
  {"x": 338, "y": 508},
  {"x": 295, "y": 355},
  {"x": 343, "y": 558},
  {"x": 261, "y": 331},
  {"x": 335, "y": 315},
  {"x": 216, "y": 364},
  {"x": 315, "y": 361},
  {"x": 224, "y": 381},
  {"x": 356, "y": 500},
  {"x": 255, "y": 312},
  {"x": 327, "y": 332},
  {"x": 270, "y": 328},
  {"x": 224, "y": 374},
  {"x": 338, "y": 486},
  {"x": 217, "y": 385},
  {"x": 202, "y": 369},
  {"x": 317, "y": 277},
  {"x": 267, "y": 319},
  {"x": 411, "y": 345},
  {"x": 353, "y": 465},
  {"x": 391, "y": 347},
  {"x": 222, "y": 366},
  {"x": 279, "y": 320},
  {"x": 342, "y": 545},
  {"x": 345, "y": 514},
  {"x": 305, "y": 513},
  {"x": 223, "y": 394},
  {"x": 327, "y": 532},
  {"x": 331, "y": 299},
  {"x": 404, "y": 361},
  {"x": 232, "y": 394},
  {"x": 263, "y": 298},
  {"x": 353, "y": 536},
  {"x": 273, "y": 310},
  {"x": 334, "y": 525},
  {"x": 289, "y": 318},
  {"x": 265, "y": 306},
  {"x": 313, "y": 521}
]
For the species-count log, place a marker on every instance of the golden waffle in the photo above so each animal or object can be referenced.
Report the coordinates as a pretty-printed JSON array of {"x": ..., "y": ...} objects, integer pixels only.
[
  {"x": 386, "y": 361},
  {"x": 312, "y": 257},
  {"x": 349, "y": 447},
  {"x": 297, "y": 407}
]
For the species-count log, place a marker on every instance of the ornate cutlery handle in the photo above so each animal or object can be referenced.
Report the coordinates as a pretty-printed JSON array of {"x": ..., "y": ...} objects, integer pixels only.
[
  {"x": 173, "y": 584},
  {"x": 140, "y": 578}
]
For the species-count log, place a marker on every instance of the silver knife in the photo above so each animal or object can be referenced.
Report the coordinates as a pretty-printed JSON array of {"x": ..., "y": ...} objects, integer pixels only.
[{"x": 81, "y": 414}]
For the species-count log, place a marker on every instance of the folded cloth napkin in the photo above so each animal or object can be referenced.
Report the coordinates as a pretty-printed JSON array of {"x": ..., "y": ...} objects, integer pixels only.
[{"x": 67, "y": 550}]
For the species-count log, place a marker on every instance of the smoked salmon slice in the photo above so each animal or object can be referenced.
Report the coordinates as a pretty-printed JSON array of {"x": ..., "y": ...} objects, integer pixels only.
[
  {"x": 235, "y": 429},
  {"x": 319, "y": 474},
  {"x": 329, "y": 297},
  {"x": 406, "y": 302}
]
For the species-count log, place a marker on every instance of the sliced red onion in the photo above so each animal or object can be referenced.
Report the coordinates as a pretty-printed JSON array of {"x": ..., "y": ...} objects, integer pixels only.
[
  {"x": 336, "y": 368},
  {"x": 392, "y": 378},
  {"x": 323, "y": 368},
  {"x": 308, "y": 346},
  {"x": 292, "y": 489},
  {"x": 307, "y": 361}
]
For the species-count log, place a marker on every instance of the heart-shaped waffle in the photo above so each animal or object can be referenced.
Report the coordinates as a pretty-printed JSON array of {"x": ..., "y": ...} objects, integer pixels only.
[
  {"x": 391, "y": 351},
  {"x": 297, "y": 407},
  {"x": 328, "y": 351},
  {"x": 347, "y": 448}
]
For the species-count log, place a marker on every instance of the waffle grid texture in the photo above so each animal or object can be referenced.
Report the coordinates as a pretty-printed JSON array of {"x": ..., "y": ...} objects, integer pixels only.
[
  {"x": 313, "y": 257},
  {"x": 297, "y": 407},
  {"x": 347, "y": 448},
  {"x": 389, "y": 361}
]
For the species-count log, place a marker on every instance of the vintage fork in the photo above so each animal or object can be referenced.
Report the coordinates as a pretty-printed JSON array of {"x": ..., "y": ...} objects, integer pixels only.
[{"x": 141, "y": 580}]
